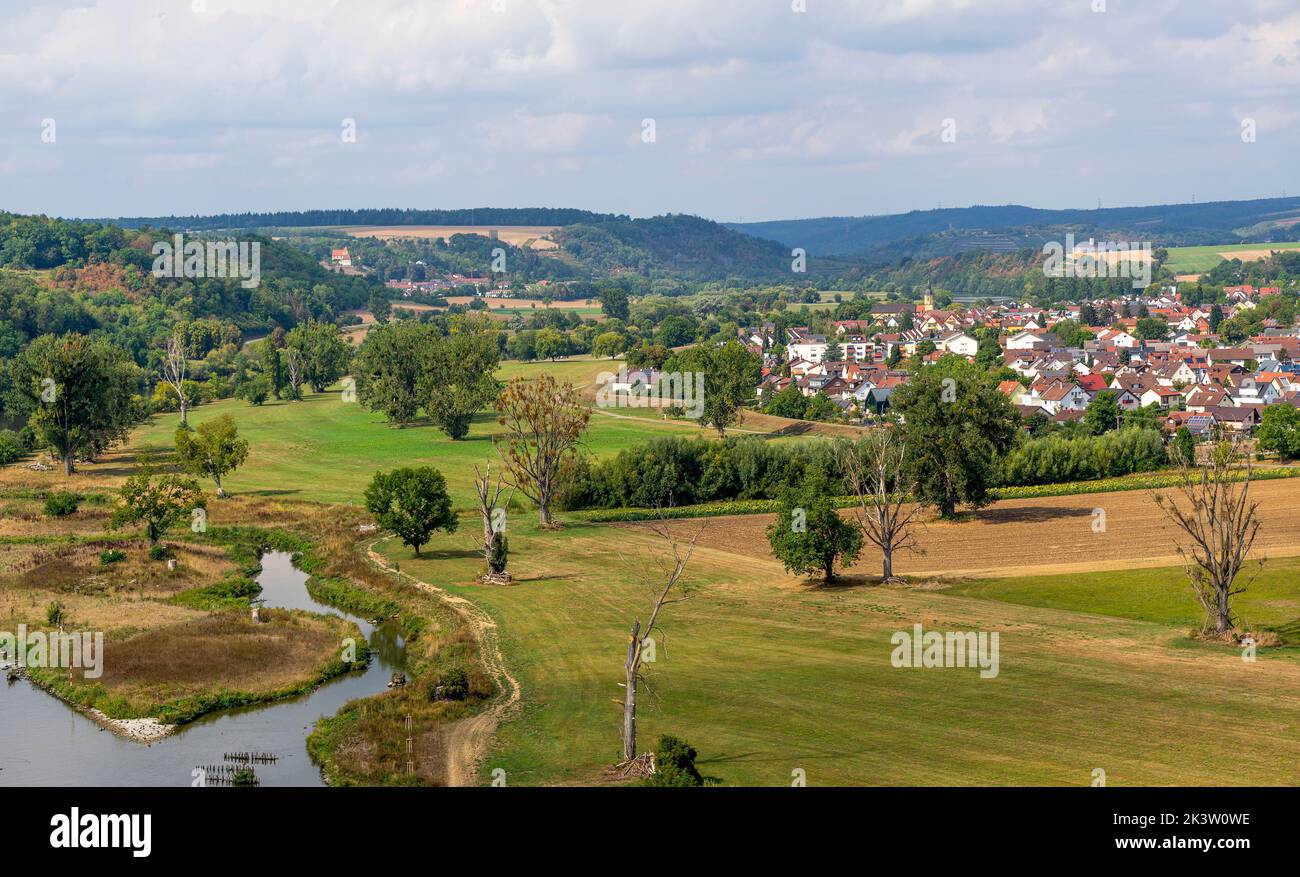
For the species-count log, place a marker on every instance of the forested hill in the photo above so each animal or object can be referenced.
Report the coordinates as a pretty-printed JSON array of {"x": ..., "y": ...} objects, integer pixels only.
[
  {"x": 380, "y": 216},
  {"x": 675, "y": 244},
  {"x": 58, "y": 276},
  {"x": 951, "y": 230},
  {"x": 592, "y": 245}
]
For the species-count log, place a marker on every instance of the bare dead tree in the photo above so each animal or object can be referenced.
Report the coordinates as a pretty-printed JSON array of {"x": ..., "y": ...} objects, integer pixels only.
[
  {"x": 668, "y": 568},
  {"x": 174, "y": 366},
  {"x": 875, "y": 472},
  {"x": 1213, "y": 508},
  {"x": 492, "y": 511},
  {"x": 293, "y": 362}
]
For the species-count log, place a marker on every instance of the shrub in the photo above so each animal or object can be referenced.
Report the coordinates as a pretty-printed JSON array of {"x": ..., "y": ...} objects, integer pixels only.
[
  {"x": 61, "y": 504},
  {"x": 160, "y": 552},
  {"x": 675, "y": 764},
  {"x": 454, "y": 683},
  {"x": 1055, "y": 459},
  {"x": 55, "y": 614},
  {"x": 111, "y": 556},
  {"x": 11, "y": 448},
  {"x": 500, "y": 553}
]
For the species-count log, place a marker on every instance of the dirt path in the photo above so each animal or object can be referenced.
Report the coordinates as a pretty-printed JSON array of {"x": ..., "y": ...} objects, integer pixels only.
[{"x": 467, "y": 740}]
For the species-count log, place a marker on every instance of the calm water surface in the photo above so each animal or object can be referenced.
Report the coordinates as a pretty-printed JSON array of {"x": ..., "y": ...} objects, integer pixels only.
[{"x": 45, "y": 743}]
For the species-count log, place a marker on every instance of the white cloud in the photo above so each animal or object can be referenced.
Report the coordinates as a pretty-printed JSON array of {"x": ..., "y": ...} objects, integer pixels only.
[{"x": 238, "y": 107}]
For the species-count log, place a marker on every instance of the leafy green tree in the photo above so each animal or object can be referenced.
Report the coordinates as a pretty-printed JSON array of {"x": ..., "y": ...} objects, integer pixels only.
[
  {"x": 76, "y": 393},
  {"x": 1103, "y": 412},
  {"x": 1185, "y": 445},
  {"x": 456, "y": 376},
  {"x": 212, "y": 450},
  {"x": 730, "y": 373},
  {"x": 387, "y": 369},
  {"x": 11, "y": 449},
  {"x": 413, "y": 503},
  {"x": 609, "y": 344},
  {"x": 614, "y": 302},
  {"x": 809, "y": 536},
  {"x": 552, "y": 344},
  {"x": 323, "y": 354},
  {"x": 787, "y": 403},
  {"x": 380, "y": 306},
  {"x": 1279, "y": 431},
  {"x": 820, "y": 407},
  {"x": 1152, "y": 329},
  {"x": 648, "y": 356},
  {"x": 159, "y": 503},
  {"x": 956, "y": 426},
  {"x": 255, "y": 389}
]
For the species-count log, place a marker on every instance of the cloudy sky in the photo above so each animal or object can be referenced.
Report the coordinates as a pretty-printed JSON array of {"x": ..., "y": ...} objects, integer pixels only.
[{"x": 760, "y": 111}]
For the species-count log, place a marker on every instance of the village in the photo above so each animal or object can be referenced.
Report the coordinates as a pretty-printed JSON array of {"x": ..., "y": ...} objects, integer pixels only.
[{"x": 1191, "y": 377}]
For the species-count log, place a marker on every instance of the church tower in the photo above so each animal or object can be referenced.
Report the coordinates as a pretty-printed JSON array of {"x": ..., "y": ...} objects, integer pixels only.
[{"x": 927, "y": 303}]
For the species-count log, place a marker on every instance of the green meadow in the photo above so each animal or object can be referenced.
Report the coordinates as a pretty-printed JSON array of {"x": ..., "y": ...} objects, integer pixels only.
[
  {"x": 327, "y": 450},
  {"x": 767, "y": 675},
  {"x": 1198, "y": 260}
]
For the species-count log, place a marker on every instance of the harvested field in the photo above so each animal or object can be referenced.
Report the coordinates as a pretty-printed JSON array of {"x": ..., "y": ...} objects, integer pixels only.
[
  {"x": 1042, "y": 536},
  {"x": 531, "y": 236}
]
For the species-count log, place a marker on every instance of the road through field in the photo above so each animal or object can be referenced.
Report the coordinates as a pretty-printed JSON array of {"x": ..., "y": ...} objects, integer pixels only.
[{"x": 1043, "y": 536}]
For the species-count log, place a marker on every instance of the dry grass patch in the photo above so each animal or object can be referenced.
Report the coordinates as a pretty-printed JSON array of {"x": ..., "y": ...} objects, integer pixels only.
[{"x": 224, "y": 650}]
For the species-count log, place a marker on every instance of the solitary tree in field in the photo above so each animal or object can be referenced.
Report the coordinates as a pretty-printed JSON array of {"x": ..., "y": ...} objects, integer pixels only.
[
  {"x": 1215, "y": 511},
  {"x": 809, "y": 535},
  {"x": 413, "y": 503},
  {"x": 175, "y": 363},
  {"x": 544, "y": 423},
  {"x": 729, "y": 375},
  {"x": 159, "y": 503},
  {"x": 956, "y": 425},
  {"x": 876, "y": 472},
  {"x": 663, "y": 579},
  {"x": 213, "y": 450}
]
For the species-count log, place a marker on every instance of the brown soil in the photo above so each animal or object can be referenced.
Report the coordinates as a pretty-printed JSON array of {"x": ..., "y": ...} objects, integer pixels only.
[{"x": 1040, "y": 536}]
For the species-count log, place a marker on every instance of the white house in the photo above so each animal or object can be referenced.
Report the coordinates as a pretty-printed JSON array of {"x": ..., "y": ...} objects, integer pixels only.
[{"x": 959, "y": 343}]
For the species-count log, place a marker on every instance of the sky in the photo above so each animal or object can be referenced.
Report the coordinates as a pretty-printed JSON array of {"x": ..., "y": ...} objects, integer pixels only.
[{"x": 738, "y": 110}]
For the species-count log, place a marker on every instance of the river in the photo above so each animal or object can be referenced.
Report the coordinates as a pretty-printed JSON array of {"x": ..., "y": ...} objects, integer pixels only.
[{"x": 43, "y": 742}]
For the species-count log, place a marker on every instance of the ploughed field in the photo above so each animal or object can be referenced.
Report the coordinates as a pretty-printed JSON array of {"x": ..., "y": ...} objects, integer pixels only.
[{"x": 1040, "y": 536}]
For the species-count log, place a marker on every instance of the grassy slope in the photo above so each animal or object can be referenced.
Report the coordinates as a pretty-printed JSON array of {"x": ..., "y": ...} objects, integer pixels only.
[{"x": 764, "y": 675}]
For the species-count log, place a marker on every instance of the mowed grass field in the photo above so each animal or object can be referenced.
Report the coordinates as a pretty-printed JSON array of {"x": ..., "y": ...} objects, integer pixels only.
[
  {"x": 767, "y": 674},
  {"x": 1198, "y": 260},
  {"x": 327, "y": 450}
]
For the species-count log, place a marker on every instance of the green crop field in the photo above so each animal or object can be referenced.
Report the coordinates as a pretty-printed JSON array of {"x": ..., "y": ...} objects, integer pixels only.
[{"x": 1198, "y": 260}]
